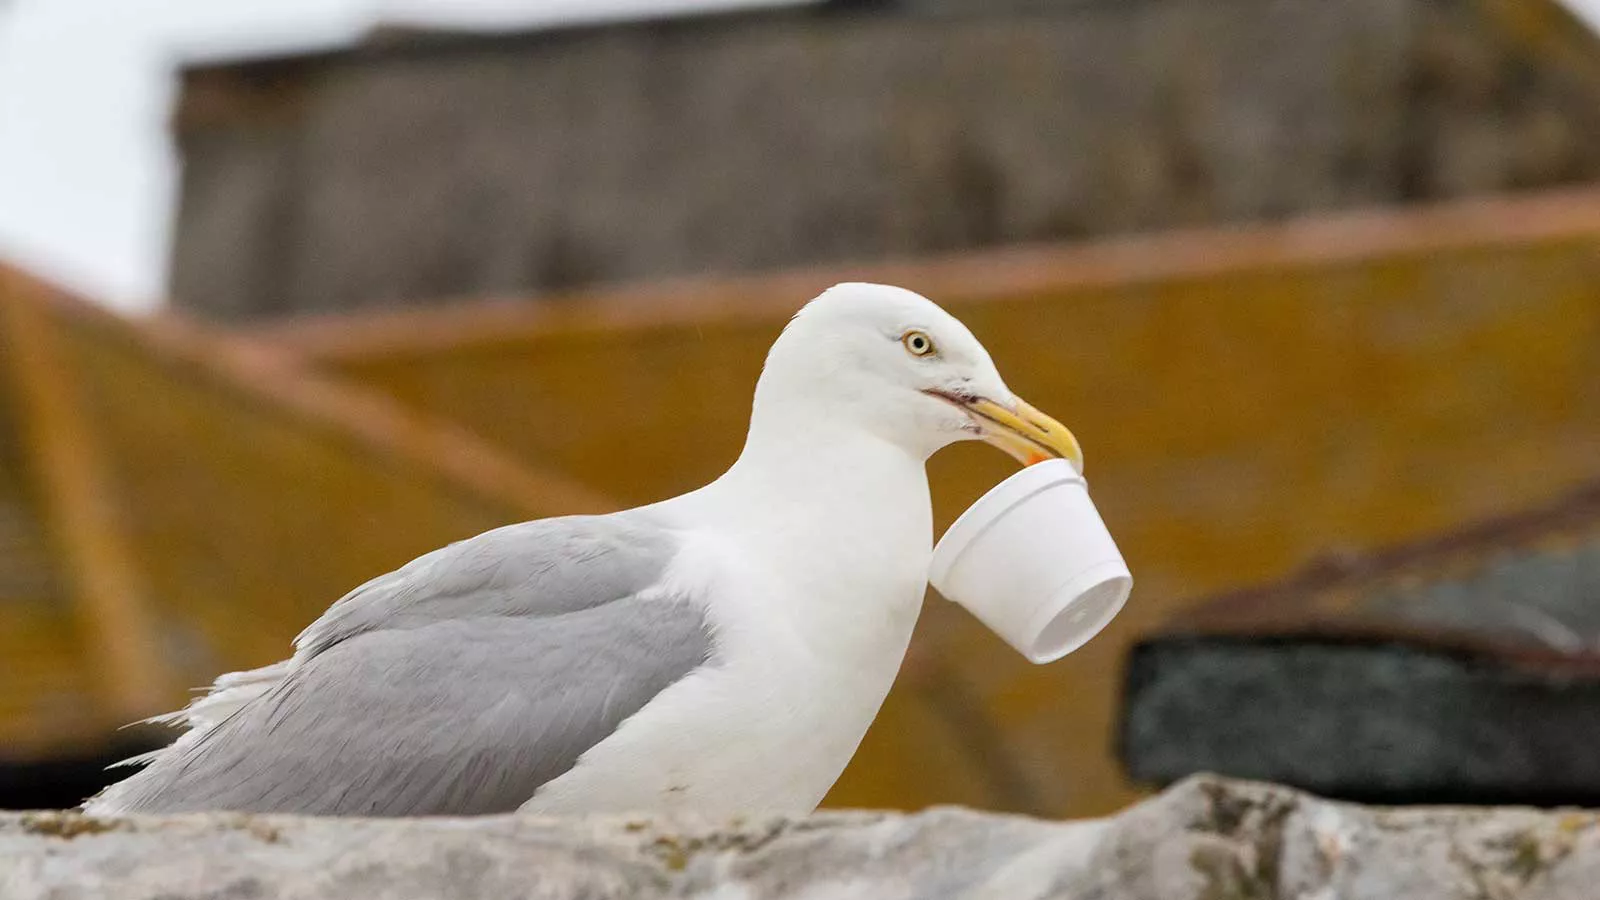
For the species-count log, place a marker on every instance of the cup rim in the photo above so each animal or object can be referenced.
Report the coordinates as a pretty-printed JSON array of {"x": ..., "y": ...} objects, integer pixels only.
[{"x": 992, "y": 506}]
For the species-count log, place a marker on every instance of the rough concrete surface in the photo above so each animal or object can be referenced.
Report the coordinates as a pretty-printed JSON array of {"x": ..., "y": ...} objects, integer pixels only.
[{"x": 1205, "y": 839}]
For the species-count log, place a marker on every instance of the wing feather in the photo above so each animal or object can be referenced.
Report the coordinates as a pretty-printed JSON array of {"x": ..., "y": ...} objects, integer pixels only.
[{"x": 456, "y": 685}]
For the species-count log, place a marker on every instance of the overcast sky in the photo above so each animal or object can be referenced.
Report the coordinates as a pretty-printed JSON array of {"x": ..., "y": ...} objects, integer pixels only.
[{"x": 87, "y": 174}]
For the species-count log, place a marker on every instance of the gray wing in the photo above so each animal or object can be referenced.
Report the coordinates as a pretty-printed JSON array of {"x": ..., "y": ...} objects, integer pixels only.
[
  {"x": 456, "y": 685},
  {"x": 543, "y": 568}
]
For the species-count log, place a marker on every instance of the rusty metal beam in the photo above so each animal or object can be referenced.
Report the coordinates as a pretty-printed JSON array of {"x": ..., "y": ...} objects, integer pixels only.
[{"x": 81, "y": 514}]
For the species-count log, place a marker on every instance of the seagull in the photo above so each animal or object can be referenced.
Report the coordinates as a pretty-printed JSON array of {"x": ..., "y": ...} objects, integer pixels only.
[{"x": 720, "y": 653}]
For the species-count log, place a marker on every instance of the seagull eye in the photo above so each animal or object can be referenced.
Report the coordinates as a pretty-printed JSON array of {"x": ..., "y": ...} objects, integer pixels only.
[{"x": 918, "y": 343}]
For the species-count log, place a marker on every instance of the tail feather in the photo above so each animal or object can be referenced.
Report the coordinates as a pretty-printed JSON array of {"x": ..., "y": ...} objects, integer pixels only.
[{"x": 227, "y": 695}]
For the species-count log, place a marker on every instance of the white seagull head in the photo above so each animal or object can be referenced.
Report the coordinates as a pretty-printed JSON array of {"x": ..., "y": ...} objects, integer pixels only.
[{"x": 889, "y": 361}]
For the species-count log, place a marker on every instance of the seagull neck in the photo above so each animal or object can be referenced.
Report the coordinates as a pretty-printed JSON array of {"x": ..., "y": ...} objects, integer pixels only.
[{"x": 853, "y": 475}]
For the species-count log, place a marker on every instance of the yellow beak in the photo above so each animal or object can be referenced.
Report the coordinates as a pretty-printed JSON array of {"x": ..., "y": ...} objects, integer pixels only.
[{"x": 1025, "y": 433}]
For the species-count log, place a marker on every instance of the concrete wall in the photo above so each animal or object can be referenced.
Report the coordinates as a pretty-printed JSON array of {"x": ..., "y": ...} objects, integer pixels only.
[
  {"x": 1206, "y": 839},
  {"x": 412, "y": 171}
]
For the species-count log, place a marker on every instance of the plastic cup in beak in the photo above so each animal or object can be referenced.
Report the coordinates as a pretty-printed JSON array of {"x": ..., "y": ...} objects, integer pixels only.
[{"x": 1032, "y": 559}]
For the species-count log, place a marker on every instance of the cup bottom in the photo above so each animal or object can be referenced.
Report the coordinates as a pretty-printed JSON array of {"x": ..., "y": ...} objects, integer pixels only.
[{"x": 1096, "y": 596}]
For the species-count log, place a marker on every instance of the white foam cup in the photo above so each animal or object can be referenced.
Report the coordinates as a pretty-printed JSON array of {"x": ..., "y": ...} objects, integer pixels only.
[{"x": 1033, "y": 560}]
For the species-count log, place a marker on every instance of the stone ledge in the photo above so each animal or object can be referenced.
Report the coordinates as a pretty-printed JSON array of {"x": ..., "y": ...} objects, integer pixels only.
[{"x": 1205, "y": 838}]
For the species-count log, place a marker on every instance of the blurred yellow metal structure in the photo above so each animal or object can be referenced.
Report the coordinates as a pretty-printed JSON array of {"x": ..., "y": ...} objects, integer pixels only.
[
  {"x": 1246, "y": 397},
  {"x": 173, "y": 506}
]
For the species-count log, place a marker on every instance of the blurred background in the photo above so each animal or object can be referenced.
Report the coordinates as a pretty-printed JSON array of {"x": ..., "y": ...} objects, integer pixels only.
[{"x": 294, "y": 292}]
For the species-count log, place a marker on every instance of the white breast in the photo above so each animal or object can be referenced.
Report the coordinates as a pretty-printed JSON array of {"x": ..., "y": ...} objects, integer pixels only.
[{"x": 804, "y": 660}]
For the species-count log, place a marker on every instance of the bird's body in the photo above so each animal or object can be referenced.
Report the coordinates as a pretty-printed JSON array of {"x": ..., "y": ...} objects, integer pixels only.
[
  {"x": 722, "y": 652},
  {"x": 801, "y": 665}
]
